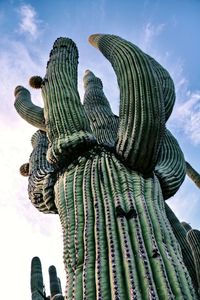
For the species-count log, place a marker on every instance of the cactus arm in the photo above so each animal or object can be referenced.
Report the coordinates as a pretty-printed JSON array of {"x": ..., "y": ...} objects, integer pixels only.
[
  {"x": 37, "y": 285},
  {"x": 31, "y": 113},
  {"x": 167, "y": 86},
  {"x": 170, "y": 167},
  {"x": 41, "y": 176},
  {"x": 180, "y": 234},
  {"x": 141, "y": 114},
  {"x": 55, "y": 288},
  {"x": 67, "y": 125},
  {"x": 186, "y": 226},
  {"x": 193, "y": 174},
  {"x": 193, "y": 238},
  {"x": 103, "y": 122}
]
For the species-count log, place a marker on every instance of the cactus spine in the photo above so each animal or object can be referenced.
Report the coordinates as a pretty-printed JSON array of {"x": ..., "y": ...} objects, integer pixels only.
[{"x": 109, "y": 188}]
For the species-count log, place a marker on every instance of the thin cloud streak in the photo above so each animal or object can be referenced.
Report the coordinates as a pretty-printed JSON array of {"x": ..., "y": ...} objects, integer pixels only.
[{"x": 29, "y": 21}]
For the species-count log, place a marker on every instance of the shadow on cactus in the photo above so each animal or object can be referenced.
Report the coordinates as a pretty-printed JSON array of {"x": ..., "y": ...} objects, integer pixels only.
[{"x": 106, "y": 176}]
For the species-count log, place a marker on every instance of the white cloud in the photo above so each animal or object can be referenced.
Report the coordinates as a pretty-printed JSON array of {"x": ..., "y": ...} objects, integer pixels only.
[
  {"x": 29, "y": 21},
  {"x": 185, "y": 117},
  {"x": 150, "y": 32},
  {"x": 185, "y": 204}
]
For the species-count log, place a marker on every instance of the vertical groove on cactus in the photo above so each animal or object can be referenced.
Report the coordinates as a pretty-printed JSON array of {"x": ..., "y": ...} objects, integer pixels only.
[
  {"x": 89, "y": 292},
  {"x": 170, "y": 167},
  {"x": 66, "y": 122},
  {"x": 103, "y": 122},
  {"x": 180, "y": 234},
  {"x": 33, "y": 114},
  {"x": 141, "y": 116},
  {"x": 78, "y": 232},
  {"x": 193, "y": 238},
  {"x": 102, "y": 265}
]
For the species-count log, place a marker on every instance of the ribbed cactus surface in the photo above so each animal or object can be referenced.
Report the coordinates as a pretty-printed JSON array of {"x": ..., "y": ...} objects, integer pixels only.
[
  {"x": 193, "y": 237},
  {"x": 107, "y": 177}
]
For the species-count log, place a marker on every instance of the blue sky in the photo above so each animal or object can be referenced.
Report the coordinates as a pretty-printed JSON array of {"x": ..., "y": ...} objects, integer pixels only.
[{"x": 167, "y": 30}]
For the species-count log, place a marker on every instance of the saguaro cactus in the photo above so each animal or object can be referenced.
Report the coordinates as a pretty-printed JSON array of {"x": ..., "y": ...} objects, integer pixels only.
[
  {"x": 109, "y": 187},
  {"x": 37, "y": 285}
]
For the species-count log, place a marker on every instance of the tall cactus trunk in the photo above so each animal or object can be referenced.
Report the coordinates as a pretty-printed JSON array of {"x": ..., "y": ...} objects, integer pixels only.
[{"x": 117, "y": 217}]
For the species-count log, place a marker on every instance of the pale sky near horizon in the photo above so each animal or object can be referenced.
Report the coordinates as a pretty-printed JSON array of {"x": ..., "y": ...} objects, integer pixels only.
[{"x": 167, "y": 30}]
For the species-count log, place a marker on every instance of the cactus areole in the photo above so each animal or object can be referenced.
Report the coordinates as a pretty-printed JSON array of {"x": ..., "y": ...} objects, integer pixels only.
[{"x": 106, "y": 176}]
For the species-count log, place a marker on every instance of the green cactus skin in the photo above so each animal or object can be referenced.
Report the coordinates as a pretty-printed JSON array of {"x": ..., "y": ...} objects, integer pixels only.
[
  {"x": 30, "y": 112},
  {"x": 167, "y": 86},
  {"x": 134, "y": 235},
  {"x": 103, "y": 122},
  {"x": 186, "y": 226},
  {"x": 193, "y": 238},
  {"x": 41, "y": 175},
  {"x": 37, "y": 285},
  {"x": 140, "y": 91},
  {"x": 181, "y": 235},
  {"x": 55, "y": 287},
  {"x": 193, "y": 174},
  {"x": 170, "y": 167},
  {"x": 118, "y": 242},
  {"x": 66, "y": 122}
]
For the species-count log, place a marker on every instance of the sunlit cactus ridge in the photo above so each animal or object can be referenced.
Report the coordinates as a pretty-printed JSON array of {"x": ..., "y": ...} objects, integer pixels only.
[{"x": 107, "y": 177}]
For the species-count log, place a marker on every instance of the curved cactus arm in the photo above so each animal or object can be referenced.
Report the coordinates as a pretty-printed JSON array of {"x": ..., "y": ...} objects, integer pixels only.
[
  {"x": 186, "y": 226},
  {"x": 167, "y": 86},
  {"x": 193, "y": 174},
  {"x": 37, "y": 285},
  {"x": 170, "y": 167},
  {"x": 193, "y": 238},
  {"x": 141, "y": 114},
  {"x": 67, "y": 124},
  {"x": 30, "y": 112},
  {"x": 103, "y": 122},
  {"x": 55, "y": 287},
  {"x": 41, "y": 175},
  {"x": 180, "y": 234}
]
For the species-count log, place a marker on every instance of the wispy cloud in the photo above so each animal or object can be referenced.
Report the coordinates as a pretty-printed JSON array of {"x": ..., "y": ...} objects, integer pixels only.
[
  {"x": 185, "y": 117},
  {"x": 149, "y": 33},
  {"x": 29, "y": 23}
]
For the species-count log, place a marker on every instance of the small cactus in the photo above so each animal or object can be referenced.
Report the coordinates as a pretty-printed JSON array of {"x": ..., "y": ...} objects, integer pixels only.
[{"x": 37, "y": 285}]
